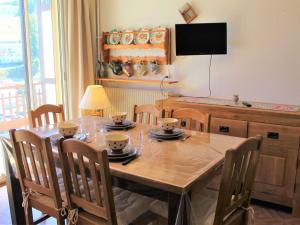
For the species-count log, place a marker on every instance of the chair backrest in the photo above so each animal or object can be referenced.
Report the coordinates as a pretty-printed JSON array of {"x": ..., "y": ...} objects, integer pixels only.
[
  {"x": 167, "y": 112},
  {"x": 145, "y": 112},
  {"x": 40, "y": 116},
  {"x": 237, "y": 181},
  {"x": 35, "y": 164},
  {"x": 192, "y": 119},
  {"x": 80, "y": 190}
]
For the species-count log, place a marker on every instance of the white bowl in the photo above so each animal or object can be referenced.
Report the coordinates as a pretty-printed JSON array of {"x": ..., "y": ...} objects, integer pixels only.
[
  {"x": 116, "y": 141},
  {"x": 67, "y": 129},
  {"x": 167, "y": 124},
  {"x": 119, "y": 117}
]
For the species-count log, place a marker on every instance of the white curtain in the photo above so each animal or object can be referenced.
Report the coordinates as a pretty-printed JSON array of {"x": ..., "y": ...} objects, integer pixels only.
[
  {"x": 3, "y": 136},
  {"x": 78, "y": 33},
  {"x": 2, "y": 164}
]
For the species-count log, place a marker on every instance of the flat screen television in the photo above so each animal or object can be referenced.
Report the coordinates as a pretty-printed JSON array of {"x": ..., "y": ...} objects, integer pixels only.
[{"x": 201, "y": 39}]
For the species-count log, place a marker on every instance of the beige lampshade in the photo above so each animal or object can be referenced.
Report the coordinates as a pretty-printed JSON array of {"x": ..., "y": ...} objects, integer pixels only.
[{"x": 94, "y": 98}]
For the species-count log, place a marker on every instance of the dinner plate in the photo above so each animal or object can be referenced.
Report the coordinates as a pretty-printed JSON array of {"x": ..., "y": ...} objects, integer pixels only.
[
  {"x": 122, "y": 158},
  {"x": 166, "y": 137},
  {"x": 126, "y": 151},
  {"x": 162, "y": 133},
  {"x": 120, "y": 128},
  {"x": 54, "y": 138},
  {"x": 126, "y": 125}
]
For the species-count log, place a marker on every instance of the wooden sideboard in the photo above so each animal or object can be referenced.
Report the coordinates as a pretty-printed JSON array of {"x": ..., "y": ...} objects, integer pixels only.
[{"x": 278, "y": 176}]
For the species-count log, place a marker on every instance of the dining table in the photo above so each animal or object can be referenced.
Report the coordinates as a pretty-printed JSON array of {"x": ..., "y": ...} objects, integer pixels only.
[{"x": 168, "y": 170}]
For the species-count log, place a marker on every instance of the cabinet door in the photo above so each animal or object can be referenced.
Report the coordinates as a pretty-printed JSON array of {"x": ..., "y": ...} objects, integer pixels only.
[
  {"x": 237, "y": 128},
  {"x": 276, "y": 172}
]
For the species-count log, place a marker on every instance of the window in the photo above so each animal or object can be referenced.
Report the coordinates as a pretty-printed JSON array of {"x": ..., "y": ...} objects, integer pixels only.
[
  {"x": 29, "y": 62},
  {"x": 28, "y": 66}
]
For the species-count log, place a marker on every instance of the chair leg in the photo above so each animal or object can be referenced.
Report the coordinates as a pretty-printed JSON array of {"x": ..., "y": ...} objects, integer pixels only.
[
  {"x": 160, "y": 221},
  {"x": 60, "y": 221},
  {"x": 41, "y": 219},
  {"x": 28, "y": 216},
  {"x": 149, "y": 218}
]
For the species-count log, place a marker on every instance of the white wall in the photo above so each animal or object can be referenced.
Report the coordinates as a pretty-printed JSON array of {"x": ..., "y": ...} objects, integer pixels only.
[{"x": 262, "y": 63}]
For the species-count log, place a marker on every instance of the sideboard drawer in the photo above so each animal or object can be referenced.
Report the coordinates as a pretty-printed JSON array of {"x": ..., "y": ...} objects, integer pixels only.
[
  {"x": 236, "y": 128},
  {"x": 276, "y": 134}
]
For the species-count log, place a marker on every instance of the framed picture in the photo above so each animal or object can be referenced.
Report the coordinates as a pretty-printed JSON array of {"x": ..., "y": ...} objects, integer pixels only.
[{"x": 188, "y": 13}]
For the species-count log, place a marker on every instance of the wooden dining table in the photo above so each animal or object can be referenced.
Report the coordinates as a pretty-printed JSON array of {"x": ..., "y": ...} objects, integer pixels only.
[{"x": 166, "y": 170}]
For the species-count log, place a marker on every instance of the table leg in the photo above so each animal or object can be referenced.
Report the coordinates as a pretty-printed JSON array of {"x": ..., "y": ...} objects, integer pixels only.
[
  {"x": 179, "y": 209},
  {"x": 14, "y": 192}
]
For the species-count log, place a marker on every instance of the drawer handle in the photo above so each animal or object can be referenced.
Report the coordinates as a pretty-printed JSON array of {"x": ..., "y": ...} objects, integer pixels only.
[
  {"x": 273, "y": 135},
  {"x": 224, "y": 129}
]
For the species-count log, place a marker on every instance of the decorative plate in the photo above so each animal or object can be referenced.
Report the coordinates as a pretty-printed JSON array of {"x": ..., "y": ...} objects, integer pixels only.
[
  {"x": 142, "y": 37},
  {"x": 127, "y": 37},
  {"x": 157, "y": 37},
  {"x": 114, "y": 37}
]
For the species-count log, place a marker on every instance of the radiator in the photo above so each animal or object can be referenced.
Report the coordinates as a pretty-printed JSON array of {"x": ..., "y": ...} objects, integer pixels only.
[{"x": 124, "y": 99}]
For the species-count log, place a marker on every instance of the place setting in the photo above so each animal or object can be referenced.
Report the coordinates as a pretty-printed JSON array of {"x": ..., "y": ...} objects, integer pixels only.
[
  {"x": 68, "y": 129},
  {"x": 118, "y": 122},
  {"x": 167, "y": 130},
  {"x": 119, "y": 149}
]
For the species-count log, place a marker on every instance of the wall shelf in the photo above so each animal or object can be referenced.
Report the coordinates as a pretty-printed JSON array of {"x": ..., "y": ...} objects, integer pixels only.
[
  {"x": 162, "y": 59},
  {"x": 133, "y": 46},
  {"x": 136, "y": 81}
]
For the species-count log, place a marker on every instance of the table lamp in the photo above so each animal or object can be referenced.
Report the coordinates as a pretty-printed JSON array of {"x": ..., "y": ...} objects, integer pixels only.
[{"x": 95, "y": 100}]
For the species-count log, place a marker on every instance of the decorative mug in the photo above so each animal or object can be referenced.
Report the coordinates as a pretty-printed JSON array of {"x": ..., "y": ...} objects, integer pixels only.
[
  {"x": 128, "y": 68},
  {"x": 141, "y": 68},
  {"x": 116, "y": 67},
  {"x": 154, "y": 67},
  {"x": 103, "y": 69}
]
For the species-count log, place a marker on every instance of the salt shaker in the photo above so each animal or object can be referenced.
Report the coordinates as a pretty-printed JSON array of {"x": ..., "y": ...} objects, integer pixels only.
[{"x": 235, "y": 99}]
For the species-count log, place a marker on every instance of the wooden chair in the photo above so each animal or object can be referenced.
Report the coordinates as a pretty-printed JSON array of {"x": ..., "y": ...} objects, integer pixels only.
[
  {"x": 91, "y": 200},
  {"x": 37, "y": 175},
  {"x": 231, "y": 205},
  {"x": 237, "y": 181},
  {"x": 192, "y": 119},
  {"x": 40, "y": 116},
  {"x": 146, "y": 112}
]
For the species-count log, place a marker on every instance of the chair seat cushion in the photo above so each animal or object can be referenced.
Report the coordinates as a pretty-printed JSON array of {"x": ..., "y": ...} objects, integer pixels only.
[
  {"x": 129, "y": 205},
  {"x": 203, "y": 206}
]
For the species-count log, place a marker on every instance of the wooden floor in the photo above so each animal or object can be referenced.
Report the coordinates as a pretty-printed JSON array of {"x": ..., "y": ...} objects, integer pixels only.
[
  {"x": 5, "y": 213},
  {"x": 272, "y": 215},
  {"x": 264, "y": 214}
]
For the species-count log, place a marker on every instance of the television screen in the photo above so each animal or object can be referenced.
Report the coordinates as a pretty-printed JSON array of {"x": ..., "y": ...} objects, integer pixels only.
[{"x": 201, "y": 39}]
